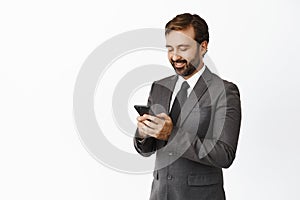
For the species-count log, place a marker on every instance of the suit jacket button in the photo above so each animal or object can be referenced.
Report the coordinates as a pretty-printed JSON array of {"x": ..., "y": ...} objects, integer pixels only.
[
  {"x": 170, "y": 177},
  {"x": 170, "y": 154}
]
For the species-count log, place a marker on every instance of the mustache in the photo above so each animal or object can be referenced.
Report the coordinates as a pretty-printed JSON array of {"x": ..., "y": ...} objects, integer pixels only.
[{"x": 178, "y": 61}]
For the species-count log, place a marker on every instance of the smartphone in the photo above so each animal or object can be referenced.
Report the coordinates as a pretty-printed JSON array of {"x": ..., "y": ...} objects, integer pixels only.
[{"x": 142, "y": 109}]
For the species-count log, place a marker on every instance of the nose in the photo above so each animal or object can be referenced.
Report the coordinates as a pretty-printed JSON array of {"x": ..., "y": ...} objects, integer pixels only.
[{"x": 175, "y": 56}]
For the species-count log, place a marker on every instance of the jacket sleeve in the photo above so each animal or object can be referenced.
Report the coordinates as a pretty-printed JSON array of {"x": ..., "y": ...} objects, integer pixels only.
[
  {"x": 145, "y": 146},
  {"x": 218, "y": 151}
]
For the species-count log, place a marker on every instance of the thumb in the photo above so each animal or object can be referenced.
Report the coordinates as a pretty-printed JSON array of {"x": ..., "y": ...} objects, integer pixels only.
[{"x": 162, "y": 115}]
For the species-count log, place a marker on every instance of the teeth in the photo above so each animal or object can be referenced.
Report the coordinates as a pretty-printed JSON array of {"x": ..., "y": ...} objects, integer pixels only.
[{"x": 179, "y": 64}]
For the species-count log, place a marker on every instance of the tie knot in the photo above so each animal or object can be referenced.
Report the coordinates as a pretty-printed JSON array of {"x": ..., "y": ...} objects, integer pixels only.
[{"x": 184, "y": 86}]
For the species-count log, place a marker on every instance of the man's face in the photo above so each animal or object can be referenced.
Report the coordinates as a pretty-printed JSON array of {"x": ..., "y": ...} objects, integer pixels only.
[{"x": 184, "y": 53}]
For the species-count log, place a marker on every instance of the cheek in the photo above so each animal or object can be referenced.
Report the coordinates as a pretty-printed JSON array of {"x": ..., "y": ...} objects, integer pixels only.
[{"x": 189, "y": 55}]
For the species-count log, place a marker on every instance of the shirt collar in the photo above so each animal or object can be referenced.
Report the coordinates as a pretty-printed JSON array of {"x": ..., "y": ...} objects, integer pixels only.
[{"x": 193, "y": 79}]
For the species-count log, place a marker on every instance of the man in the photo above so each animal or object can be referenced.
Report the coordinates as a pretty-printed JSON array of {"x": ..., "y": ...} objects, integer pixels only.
[{"x": 194, "y": 122}]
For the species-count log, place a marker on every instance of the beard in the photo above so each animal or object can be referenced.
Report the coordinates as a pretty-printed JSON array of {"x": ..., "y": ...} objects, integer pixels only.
[{"x": 184, "y": 68}]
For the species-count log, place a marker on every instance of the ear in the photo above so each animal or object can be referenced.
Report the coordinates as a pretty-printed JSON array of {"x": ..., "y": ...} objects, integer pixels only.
[{"x": 203, "y": 48}]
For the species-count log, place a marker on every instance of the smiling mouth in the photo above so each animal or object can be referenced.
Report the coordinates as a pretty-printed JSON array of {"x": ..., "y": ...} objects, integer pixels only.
[{"x": 179, "y": 64}]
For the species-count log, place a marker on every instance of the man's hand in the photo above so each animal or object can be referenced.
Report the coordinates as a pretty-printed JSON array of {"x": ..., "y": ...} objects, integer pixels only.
[{"x": 159, "y": 126}]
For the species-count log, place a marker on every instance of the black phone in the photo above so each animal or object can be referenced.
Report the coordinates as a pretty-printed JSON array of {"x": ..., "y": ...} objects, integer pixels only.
[{"x": 142, "y": 109}]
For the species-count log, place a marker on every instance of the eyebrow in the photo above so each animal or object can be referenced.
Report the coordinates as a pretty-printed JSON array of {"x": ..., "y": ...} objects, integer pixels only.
[{"x": 178, "y": 46}]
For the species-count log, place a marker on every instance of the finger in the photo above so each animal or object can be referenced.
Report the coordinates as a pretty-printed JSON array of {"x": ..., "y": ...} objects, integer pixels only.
[
  {"x": 155, "y": 119},
  {"x": 140, "y": 124},
  {"x": 152, "y": 118},
  {"x": 146, "y": 130},
  {"x": 141, "y": 130},
  {"x": 142, "y": 118},
  {"x": 152, "y": 133},
  {"x": 150, "y": 124},
  {"x": 138, "y": 118},
  {"x": 149, "y": 131},
  {"x": 166, "y": 117}
]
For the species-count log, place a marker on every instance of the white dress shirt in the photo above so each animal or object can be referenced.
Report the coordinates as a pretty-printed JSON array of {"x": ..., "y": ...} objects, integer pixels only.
[{"x": 191, "y": 81}]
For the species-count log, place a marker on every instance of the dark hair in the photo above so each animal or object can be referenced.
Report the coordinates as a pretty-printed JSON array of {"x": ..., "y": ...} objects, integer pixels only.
[{"x": 184, "y": 21}]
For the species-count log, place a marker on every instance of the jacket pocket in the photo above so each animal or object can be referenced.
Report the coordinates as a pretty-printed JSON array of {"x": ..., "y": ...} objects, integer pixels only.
[{"x": 204, "y": 179}]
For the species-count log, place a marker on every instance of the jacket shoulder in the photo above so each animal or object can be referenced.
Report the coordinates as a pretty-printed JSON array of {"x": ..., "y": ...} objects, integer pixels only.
[
  {"x": 165, "y": 80},
  {"x": 227, "y": 84}
]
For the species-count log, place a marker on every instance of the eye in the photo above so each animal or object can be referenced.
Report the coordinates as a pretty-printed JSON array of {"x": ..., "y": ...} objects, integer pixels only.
[
  {"x": 183, "y": 48},
  {"x": 170, "y": 49}
]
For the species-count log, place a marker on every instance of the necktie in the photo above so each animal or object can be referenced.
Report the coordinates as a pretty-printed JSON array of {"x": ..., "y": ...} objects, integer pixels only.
[{"x": 178, "y": 102}]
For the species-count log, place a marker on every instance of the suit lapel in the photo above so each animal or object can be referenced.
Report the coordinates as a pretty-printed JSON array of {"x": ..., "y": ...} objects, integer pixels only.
[
  {"x": 167, "y": 92},
  {"x": 200, "y": 88}
]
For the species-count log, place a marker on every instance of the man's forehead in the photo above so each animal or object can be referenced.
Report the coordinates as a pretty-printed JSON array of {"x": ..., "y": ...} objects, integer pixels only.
[{"x": 180, "y": 37}]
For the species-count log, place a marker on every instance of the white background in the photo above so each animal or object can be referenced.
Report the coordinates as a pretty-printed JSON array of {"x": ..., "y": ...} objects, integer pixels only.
[{"x": 43, "y": 45}]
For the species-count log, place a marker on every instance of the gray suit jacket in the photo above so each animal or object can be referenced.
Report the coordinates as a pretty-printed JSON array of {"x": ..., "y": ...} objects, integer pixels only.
[{"x": 189, "y": 165}]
